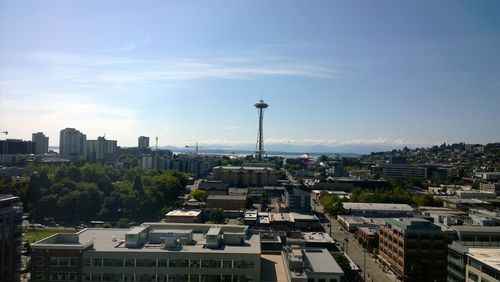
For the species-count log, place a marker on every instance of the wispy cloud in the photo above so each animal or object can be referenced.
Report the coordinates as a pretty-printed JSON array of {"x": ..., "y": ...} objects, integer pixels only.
[
  {"x": 110, "y": 70},
  {"x": 132, "y": 45},
  {"x": 58, "y": 89}
]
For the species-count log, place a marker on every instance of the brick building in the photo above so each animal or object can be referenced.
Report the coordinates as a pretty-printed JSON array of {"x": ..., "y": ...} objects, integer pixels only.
[{"x": 414, "y": 248}]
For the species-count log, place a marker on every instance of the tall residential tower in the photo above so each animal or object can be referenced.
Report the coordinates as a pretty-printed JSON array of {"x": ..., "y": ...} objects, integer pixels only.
[
  {"x": 143, "y": 142},
  {"x": 41, "y": 143},
  {"x": 72, "y": 143}
]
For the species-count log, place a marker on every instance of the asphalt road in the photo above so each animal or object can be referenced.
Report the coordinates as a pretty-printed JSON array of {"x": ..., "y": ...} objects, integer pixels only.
[{"x": 356, "y": 252}]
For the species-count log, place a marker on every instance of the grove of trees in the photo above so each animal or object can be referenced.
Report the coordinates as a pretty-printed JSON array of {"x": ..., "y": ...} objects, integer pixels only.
[{"x": 79, "y": 194}]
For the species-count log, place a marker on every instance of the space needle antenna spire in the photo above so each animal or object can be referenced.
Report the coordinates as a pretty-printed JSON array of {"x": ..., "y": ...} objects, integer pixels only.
[{"x": 261, "y": 106}]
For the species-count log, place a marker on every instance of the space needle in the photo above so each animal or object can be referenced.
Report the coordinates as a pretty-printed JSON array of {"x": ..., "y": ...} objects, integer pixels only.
[{"x": 261, "y": 106}]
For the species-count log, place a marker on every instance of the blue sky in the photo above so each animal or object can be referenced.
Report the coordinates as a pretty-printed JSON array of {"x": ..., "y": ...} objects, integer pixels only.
[{"x": 334, "y": 72}]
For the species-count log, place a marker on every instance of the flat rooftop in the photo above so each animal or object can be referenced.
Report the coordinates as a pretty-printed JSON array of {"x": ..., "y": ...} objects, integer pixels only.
[
  {"x": 321, "y": 261},
  {"x": 113, "y": 239},
  {"x": 227, "y": 197},
  {"x": 184, "y": 213},
  {"x": 273, "y": 268},
  {"x": 377, "y": 207},
  {"x": 369, "y": 230},
  {"x": 317, "y": 237},
  {"x": 243, "y": 168},
  {"x": 490, "y": 257}
]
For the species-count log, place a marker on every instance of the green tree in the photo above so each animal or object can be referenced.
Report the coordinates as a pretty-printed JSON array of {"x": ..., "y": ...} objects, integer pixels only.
[
  {"x": 123, "y": 223},
  {"x": 33, "y": 193},
  {"x": 198, "y": 194},
  {"x": 217, "y": 216},
  {"x": 138, "y": 187}
]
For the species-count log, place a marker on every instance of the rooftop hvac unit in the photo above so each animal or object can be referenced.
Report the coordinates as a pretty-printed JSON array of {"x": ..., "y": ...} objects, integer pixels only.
[{"x": 213, "y": 237}]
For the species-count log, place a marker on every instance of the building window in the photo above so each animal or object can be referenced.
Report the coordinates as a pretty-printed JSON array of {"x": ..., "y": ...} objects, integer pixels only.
[
  {"x": 39, "y": 276},
  {"x": 162, "y": 263},
  {"x": 63, "y": 276},
  {"x": 473, "y": 276},
  {"x": 97, "y": 262},
  {"x": 145, "y": 263},
  {"x": 210, "y": 264},
  {"x": 210, "y": 278},
  {"x": 128, "y": 277},
  {"x": 112, "y": 277},
  {"x": 194, "y": 263},
  {"x": 146, "y": 277},
  {"x": 40, "y": 260},
  {"x": 178, "y": 277},
  {"x": 227, "y": 264},
  {"x": 179, "y": 263},
  {"x": 129, "y": 262},
  {"x": 63, "y": 261}
]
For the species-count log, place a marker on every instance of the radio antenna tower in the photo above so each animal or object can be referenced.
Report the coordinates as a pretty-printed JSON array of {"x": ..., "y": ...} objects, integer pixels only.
[{"x": 261, "y": 106}]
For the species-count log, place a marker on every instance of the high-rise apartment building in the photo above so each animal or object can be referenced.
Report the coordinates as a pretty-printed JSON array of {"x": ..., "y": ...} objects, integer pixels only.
[
  {"x": 10, "y": 237},
  {"x": 41, "y": 143},
  {"x": 143, "y": 142},
  {"x": 414, "y": 248},
  {"x": 101, "y": 150},
  {"x": 72, "y": 143},
  {"x": 16, "y": 146}
]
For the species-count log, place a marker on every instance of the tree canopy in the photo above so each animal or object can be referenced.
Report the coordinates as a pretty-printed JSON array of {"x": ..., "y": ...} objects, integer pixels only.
[{"x": 72, "y": 194}]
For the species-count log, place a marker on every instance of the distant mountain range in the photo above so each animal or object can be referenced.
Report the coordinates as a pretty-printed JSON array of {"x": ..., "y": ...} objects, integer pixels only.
[
  {"x": 286, "y": 149},
  {"x": 291, "y": 149}
]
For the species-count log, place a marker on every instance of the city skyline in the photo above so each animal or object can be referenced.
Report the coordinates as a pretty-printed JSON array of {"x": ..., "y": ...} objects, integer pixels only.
[{"x": 335, "y": 73}]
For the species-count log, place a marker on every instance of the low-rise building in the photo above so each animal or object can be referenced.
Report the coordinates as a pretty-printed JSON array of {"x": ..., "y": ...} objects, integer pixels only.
[
  {"x": 226, "y": 202},
  {"x": 212, "y": 187},
  {"x": 474, "y": 194},
  {"x": 457, "y": 257},
  {"x": 183, "y": 216},
  {"x": 312, "y": 264},
  {"x": 490, "y": 187},
  {"x": 150, "y": 252},
  {"x": 297, "y": 198},
  {"x": 378, "y": 210},
  {"x": 245, "y": 176},
  {"x": 352, "y": 223},
  {"x": 368, "y": 236},
  {"x": 483, "y": 265}
]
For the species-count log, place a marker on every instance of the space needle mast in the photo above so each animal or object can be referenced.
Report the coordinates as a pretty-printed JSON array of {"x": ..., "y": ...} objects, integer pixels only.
[{"x": 261, "y": 106}]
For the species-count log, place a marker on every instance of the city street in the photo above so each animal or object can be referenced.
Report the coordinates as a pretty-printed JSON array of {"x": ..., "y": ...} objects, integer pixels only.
[{"x": 356, "y": 253}]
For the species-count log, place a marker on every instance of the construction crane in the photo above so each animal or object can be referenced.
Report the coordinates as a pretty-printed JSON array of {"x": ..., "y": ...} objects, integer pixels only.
[{"x": 195, "y": 146}]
